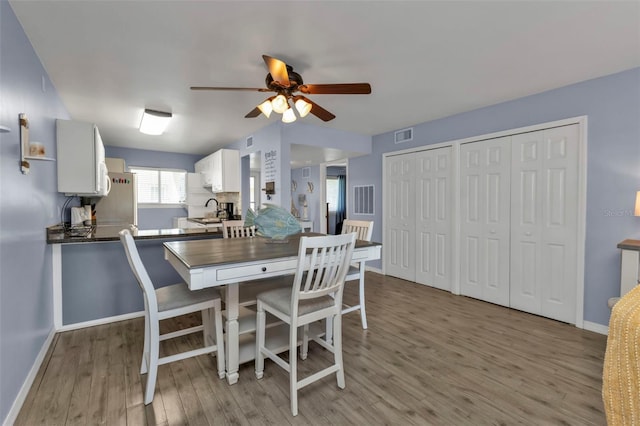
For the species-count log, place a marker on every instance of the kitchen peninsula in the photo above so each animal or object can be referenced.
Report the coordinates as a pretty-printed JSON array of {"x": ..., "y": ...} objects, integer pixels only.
[{"x": 92, "y": 281}]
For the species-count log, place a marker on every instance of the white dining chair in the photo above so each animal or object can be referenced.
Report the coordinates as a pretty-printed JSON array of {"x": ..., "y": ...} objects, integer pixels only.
[
  {"x": 363, "y": 230},
  {"x": 236, "y": 229},
  {"x": 321, "y": 269},
  {"x": 168, "y": 302}
]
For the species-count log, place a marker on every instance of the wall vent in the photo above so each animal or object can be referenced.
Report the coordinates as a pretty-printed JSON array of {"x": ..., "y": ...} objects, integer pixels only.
[
  {"x": 404, "y": 135},
  {"x": 363, "y": 199},
  {"x": 249, "y": 141}
]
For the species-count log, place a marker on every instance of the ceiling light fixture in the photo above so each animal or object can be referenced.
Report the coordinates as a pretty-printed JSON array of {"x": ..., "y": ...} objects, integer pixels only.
[
  {"x": 154, "y": 122},
  {"x": 280, "y": 104},
  {"x": 302, "y": 106},
  {"x": 266, "y": 107},
  {"x": 288, "y": 116}
]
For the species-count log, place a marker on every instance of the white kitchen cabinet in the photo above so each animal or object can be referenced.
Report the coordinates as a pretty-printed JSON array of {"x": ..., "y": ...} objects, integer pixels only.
[
  {"x": 81, "y": 162},
  {"x": 220, "y": 171}
]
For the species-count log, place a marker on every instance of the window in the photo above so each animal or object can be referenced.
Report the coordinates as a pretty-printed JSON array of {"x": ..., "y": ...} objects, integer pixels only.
[
  {"x": 160, "y": 186},
  {"x": 332, "y": 193}
]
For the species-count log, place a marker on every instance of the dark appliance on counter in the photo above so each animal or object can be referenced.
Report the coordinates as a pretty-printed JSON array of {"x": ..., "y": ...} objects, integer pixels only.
[{"x": 225, "y": 210}]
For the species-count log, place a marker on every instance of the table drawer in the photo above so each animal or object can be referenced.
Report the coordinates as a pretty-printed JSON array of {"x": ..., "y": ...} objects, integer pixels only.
[{"x": 255, "y": 271}]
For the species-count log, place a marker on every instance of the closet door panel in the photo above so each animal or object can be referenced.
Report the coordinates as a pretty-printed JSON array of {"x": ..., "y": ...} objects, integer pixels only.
[
  {"x": 485, "y": 219},
  {"x": 543, "y": 226},
  {"x": 400, "y": 217},
  {"x": 433, "y": 253}
]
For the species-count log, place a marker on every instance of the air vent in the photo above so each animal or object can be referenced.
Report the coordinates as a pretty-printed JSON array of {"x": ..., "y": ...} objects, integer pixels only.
[
  {"x": 363, "y": 199},
  {"x": 404, "y": 135},
  {"x": 249, "y": 141}
]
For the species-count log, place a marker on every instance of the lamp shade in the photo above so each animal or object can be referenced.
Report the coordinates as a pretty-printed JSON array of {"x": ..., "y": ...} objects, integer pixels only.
[
  {"x": 279, "y": 104},
  {"x": 303, "y": 107},
  {"x": 637, "y": 210},
  {"x": 288, "y": 116},
  {"x": 154, "y": 122},
  {"x": 266, "y": 107}
]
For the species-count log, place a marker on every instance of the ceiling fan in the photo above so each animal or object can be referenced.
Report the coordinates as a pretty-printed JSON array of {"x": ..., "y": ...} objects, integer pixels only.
[{"x": 285, "y": 82}]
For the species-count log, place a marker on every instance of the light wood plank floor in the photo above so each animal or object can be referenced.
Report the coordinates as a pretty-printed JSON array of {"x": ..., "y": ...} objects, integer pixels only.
[{"x": 428, "y": 358}]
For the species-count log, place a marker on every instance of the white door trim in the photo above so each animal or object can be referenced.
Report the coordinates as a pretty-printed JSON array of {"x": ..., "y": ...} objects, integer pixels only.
[{"x": 582, "y": 122}]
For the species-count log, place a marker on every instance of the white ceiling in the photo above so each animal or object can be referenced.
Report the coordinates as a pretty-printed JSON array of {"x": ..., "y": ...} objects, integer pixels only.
[{"x": 425, "y": 60}]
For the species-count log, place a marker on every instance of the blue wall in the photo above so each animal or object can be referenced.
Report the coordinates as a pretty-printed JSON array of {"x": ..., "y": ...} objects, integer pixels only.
[
  {"x": 29, "y": 203},
  {"x": 155, "y": 218},
  {"x": 612, "y": 104}
]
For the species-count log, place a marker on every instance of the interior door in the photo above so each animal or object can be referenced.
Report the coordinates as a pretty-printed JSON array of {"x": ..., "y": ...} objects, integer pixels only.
[
  {"x": 433, "y": 217},
  {"x": 485, "y": 173},
  {"x": 543, "y": 222},
  {"x": 400, "y": 218}
]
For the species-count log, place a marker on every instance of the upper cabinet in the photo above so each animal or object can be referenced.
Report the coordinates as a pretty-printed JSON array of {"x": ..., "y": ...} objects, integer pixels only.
[
  {"x": 81, "y": 163},
  {"x": 220, "y": 171}
]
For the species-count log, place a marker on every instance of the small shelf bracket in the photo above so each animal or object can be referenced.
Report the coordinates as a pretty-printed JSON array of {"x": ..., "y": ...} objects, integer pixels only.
[{"x": 24, "y": 142}]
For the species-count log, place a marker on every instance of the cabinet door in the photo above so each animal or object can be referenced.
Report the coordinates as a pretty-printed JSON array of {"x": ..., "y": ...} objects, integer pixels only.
[
  {"x": 400, "y": 217},
  {"x": 217, "y": 166},
  {"x": 485, "y": 168},
  {"x": 543, "y": 222},
  {"x": 433, "y": 217},
  {"x": 204, "y": 168}
]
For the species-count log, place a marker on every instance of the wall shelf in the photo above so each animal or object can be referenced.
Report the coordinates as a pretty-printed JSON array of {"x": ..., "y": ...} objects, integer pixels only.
[{"x": 33, "y": 157}]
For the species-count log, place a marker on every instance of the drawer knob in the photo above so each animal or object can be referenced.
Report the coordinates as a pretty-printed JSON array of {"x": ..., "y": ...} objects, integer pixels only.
[{"x": 264, "y": 269}]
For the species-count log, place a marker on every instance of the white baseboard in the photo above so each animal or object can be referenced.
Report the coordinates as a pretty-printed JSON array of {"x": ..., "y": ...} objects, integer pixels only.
[
  {"x": 596, "y": 328},
  {"x": 28, "y": 382},
  {"x": 369, "y": 268},
  {"x": 101, "y": 321}
]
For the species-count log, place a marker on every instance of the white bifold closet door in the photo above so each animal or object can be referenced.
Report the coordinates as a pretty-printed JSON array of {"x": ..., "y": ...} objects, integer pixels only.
[
  {"x": 544, "y": 191},
  {"x": 485, "y": 193},
  {"x": 400, "y": 217},
  {"x": 518, "y": 221},
  {"x": 418, "y": 217},
  {"x": 433, "y": 218}
]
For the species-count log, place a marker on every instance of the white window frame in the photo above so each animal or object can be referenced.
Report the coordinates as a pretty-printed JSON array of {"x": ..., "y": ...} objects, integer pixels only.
[{"x": 160, "y": 204}]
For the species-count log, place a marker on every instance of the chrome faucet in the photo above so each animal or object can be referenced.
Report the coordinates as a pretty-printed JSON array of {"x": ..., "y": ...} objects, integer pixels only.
[{"x": 207, "y": 203}]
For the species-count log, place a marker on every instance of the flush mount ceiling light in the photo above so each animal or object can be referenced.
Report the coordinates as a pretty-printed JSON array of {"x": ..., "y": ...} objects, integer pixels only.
[{"x": 154, "y": 122}]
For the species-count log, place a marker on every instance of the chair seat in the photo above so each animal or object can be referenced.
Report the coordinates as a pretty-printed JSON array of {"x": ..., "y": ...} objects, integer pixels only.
[
  {"x": 280, "y": 299},
  {"x": 178, "y": 296}
]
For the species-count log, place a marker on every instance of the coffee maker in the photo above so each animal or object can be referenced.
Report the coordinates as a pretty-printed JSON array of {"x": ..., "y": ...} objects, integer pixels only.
[{"x": 225, "y": 211}]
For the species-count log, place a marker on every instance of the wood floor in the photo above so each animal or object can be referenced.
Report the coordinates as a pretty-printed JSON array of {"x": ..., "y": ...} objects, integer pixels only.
[{"x": 428, "y": 358}]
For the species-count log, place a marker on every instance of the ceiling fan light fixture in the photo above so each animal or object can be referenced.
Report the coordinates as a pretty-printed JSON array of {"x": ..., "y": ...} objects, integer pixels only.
[
  {"x": 288, "y": 116},
  {"x": 279, "y": 104},
  {"x": 266, "y": 107},
  {"x": 303, "y": 107},
  {"x": 154, "y": 122}
]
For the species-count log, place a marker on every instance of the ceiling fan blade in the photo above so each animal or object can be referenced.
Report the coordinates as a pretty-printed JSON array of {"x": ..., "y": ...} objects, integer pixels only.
[
  {"x": 253, "y": 113},
  {"x": 250, "y": 89},
  {"x": 318, "y": 111},
  {"x": 278, "y": 70},
  {"x": 336, "y": 89}
]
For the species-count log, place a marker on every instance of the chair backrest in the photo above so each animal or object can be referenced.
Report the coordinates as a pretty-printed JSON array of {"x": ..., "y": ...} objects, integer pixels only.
[
  {"x": 138, "y": 269},
  {"x": 325, "y": 270},
  {"x": 236, "y": 229},
  {"x": 362, "y": 228}
]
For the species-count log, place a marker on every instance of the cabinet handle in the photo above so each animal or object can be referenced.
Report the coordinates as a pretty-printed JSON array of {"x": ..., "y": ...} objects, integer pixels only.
[
  {"x": 493, "y": 231},
  {"x": 528, "y": 234},
  {"x": 264, "y": 269}
]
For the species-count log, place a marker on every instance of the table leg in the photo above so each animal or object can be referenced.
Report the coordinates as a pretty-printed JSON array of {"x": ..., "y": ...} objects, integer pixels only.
[{"x": 233, "y": 343}]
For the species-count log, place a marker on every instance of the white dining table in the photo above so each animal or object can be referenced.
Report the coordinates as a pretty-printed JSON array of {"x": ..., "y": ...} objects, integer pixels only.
[{"x": 229, "y": 263}]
